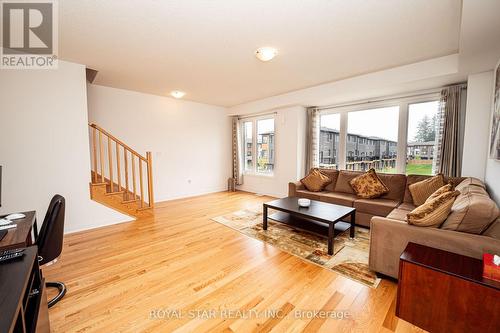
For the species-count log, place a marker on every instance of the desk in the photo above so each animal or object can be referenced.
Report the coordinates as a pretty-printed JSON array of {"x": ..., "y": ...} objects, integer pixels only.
[
  {"x": 21, "y": 235},
  {"x": 23, "y": 299}
]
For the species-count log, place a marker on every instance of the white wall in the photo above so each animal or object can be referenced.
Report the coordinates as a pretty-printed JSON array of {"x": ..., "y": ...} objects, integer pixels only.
[
  {"x": 44, "y": 145},
  {"x": 290, "y": 127},
  {"x": 190, "y": 142},
  {"x": 477, "y": 122}
]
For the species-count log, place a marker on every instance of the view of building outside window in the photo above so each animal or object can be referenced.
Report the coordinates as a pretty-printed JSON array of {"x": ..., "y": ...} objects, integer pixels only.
[
  {"x": 248, "y": 145},
  {"x": 372, "y": 139},
  {"x": 329, "y": 141},
  {"x": 422, "y": 124},
  {"x": 265, "y": 145}
]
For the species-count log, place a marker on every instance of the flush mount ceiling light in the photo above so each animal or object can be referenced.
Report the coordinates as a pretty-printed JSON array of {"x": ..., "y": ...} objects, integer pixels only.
[
  {"x": 266, "y": 53},
  {"x": 177, "y": 93}
]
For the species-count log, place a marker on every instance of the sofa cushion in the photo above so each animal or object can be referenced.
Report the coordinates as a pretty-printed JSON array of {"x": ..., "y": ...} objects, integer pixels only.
[
  {"x": 343, "y": 180},
  {"x": 398, "y": 214},
  {"x": 315, "y": 181},
  {"x": 473, "y": 211},
  {"x": 309, "y": 195},
  {"x": 422, "y": 190},
  {"x": 467, "y": 182},
  {"x": 368, "y": 185},
  {"x": 493, "y": 230},
  {"x": 379, "y": 206},
  {"x": 333, "y": 174},
  {"x": 396, "y": 184},
  {"x": 407, "y": 206},
  {"x": 434, "y": 212},
  {"x": 344, "y": 199}
]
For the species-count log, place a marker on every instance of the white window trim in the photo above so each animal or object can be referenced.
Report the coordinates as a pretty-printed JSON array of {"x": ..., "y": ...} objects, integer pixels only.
[
  {"x": 404, "y": 110},
  {"x": 254, "y": 121}
]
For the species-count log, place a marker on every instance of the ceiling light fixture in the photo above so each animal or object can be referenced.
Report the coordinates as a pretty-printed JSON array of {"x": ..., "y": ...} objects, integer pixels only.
[
  {"x": 177, "y": 93},
  {"x": 266, "y": 53}
]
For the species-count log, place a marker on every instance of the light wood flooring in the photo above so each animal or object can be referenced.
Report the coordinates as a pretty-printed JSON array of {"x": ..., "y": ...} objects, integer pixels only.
[{"x": 125, "y": 277}]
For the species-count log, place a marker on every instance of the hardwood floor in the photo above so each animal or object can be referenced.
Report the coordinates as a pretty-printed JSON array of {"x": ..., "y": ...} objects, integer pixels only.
[{"x": 124, "y": 278}]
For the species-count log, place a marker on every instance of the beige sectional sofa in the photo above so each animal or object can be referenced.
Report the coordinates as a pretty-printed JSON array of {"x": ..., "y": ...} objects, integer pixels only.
[{"x": 386, "y": 216}]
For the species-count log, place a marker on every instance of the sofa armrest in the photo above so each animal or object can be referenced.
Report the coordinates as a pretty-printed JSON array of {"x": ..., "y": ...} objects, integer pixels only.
[
  {"x": 388, "y": 239},
  {"x": 293, "y": 187}
]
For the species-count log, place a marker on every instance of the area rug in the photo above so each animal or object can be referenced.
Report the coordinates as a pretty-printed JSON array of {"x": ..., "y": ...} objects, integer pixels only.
[{"x": 350, "y": 256}]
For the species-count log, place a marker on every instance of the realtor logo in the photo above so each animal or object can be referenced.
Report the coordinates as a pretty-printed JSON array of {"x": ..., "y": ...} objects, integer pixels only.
[{"x": 29, "y": 34}]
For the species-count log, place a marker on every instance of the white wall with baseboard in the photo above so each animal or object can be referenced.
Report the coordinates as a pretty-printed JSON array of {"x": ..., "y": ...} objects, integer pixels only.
[
  {"x": 190, "y": 142},
  {"x": 44, "y": 145}
]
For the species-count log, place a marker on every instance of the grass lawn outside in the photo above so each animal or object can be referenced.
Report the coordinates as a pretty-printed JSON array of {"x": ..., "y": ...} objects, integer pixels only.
[{"x": 419, "y": 169}]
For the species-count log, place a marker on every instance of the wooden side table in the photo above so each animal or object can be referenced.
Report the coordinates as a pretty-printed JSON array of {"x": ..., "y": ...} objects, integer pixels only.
[{"x": 441, "y": 291}]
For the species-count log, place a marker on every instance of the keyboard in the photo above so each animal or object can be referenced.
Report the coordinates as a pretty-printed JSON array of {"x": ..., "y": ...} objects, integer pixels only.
[{"x": 7, "y": 255}]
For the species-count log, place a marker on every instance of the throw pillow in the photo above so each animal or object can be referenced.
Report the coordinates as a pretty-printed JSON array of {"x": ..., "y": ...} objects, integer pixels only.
[
  {"x": 439, "y": 191},
  {"x": 316, "y": 181},
  {"x": 422, "y": 190},
  {"x": 434, "y": 212},
  {"x": 368, "y": 185}
]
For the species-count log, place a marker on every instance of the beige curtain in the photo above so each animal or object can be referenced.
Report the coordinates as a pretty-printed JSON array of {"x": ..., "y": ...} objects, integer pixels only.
[
  {"x": 237, "y": 152},
  {"x": 450, "y": 131},
  {"x": 312, "y": 137}
]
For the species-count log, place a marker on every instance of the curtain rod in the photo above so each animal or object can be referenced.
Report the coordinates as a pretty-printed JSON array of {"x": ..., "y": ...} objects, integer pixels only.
[
  {"x": 257, "y": 115},
  {"x": 389, "y": 98}
]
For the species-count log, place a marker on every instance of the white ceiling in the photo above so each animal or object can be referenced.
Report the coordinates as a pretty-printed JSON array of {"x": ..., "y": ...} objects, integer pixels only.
[{"x": 205, "y": 48}]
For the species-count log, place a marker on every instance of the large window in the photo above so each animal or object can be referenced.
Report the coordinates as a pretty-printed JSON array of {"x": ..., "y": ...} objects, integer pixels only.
[
  {"x": 391, "y": 136},
  {"x": 248, "y": 145},
  {"x": 259, "y": 145},
  {"x": 422, "y": 123},
  {"x": 329, "y": 135},
  {"x": 372, "y": 139}
]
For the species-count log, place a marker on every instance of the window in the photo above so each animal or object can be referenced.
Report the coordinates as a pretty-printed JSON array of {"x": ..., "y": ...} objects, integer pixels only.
[
  {"x": 259, "y": 145},
  {"x": 422, "y": 123},
  {"x": 248, "y": 145},
  {"x": 329, "y": 140},
  {"x": 379, "y": 126},
  {"x": 265, "y": 145}
]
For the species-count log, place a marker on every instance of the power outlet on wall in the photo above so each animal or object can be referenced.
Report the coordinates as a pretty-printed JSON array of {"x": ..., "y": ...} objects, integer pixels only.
[{"x": 189, "y": 181}]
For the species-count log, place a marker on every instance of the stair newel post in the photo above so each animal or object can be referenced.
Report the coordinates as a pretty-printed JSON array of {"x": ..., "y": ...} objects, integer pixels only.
[
  {"x": 150, "y": 179},
  {"x": 110, "y": 161},
  {"x": 140, "y": 182},
  {"x": 101, "y": 157},
  {"x": 125, "y": 160},
  {"x": 94, "y": 152},
  {"x": 118, "y": 171},
  {"x": 133, "y": 176}
]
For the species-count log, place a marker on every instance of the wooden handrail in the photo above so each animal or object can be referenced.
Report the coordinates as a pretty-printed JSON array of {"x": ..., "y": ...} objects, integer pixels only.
[
  {"x": 104, "y": 152},
  {"x": 103, "y": 131}
]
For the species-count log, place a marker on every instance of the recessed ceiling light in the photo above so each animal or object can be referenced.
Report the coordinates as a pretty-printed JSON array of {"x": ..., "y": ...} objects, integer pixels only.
[
  {"x": 266, "y": 53},
  {"x": 177, "y": 93}
]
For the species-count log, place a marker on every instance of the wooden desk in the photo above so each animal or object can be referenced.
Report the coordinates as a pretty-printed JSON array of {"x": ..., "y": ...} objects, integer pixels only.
[
  {"x": 21, "y": 235},
  {"x": 23, "y": 298},
  {"x": 441, "y": 291}
]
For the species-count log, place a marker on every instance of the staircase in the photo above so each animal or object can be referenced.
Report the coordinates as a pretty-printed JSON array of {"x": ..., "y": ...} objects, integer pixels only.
[{"x": 121, "y": 177}]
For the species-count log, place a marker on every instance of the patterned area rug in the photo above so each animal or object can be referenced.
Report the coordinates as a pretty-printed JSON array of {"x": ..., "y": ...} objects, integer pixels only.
[{"x": 350, "y": 256}]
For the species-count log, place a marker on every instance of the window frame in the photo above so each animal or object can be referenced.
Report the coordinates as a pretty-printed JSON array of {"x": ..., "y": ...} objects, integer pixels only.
[
  {"x": 254, "y": 121},
  {"x": 402, "y": 140}
]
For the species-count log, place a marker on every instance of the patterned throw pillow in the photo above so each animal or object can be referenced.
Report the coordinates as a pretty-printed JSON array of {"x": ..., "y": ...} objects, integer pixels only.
[
  {"x": 422, "y": 190},
  {"x": 434, "y": 212},
  {"x": 316, "y": 181},
  {"x": 368, "y": 185},
  {"x": 439, "y": 191}
]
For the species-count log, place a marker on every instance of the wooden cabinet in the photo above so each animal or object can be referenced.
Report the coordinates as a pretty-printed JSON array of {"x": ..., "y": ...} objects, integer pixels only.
[{"x": 441, "y": 291}]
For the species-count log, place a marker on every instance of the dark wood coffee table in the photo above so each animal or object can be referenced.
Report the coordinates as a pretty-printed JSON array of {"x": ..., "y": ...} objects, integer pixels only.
[{"x": 320, "y": 217}]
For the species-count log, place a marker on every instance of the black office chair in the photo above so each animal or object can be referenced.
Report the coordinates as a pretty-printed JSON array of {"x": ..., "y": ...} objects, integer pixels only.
[{"x": 50, "y": 241}]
